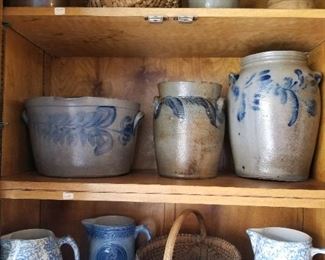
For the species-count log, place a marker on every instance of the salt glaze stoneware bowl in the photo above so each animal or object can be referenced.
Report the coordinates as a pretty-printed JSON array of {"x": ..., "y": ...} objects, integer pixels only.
[
  {"x": 211, "y": 3},
  {"x": 82, "y": 137},
  {"x": 34, "y": 244},
  {"x": 276, "y": 243},
  {"x": 274, "y": 111},
  {"x": 189, "y": 128}
]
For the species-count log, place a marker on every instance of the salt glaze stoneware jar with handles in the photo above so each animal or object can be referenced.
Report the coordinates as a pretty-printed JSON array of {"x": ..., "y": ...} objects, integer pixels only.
[
  {"x": 188, "y": 129},
  {"x": 35, "y": 244},
  {"x": 113, "y": 237},
  {"x": 276, "y": 243},
  {"x": 274, "y": 113},
  {"x": 82, "y": 137}
]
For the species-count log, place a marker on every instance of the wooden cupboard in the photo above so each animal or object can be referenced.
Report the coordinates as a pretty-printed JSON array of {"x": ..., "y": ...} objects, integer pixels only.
[{"x": 119, "y": 53}]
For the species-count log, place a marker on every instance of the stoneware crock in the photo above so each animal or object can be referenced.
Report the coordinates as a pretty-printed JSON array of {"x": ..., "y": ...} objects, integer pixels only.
[
  {"x": 276, "y": 243},
  {"x": 35, "y": 244},
  {"x": 274, "y": 112},
  {"x": 50, "y": 3},
  {"x": 188, "y": 129},
  {"x": 211, "y": 3},
  {"x": 290, "y": 4},
  {"x": 82, "y": 137},
  {"x": 113, "y": 237}
]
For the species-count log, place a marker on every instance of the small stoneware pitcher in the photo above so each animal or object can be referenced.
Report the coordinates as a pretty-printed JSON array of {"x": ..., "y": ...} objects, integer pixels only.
[
  {"x": 113, "y": 237},
  {"x": 276, "y": 243},
  {"x": 35, "y": 244}
]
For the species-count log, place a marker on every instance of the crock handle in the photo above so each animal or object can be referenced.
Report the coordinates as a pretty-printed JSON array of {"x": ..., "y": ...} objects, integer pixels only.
[
  {"x": 318, "y": 77},
  {"x": 316, "y": 251},
  {"x": 137, "y": 120},
  {"x": 143, "y": 229},
  {"x": 233, "y": 77},
  {"x": 25, "y": 117},
  {"x": 71, "y": 242}
]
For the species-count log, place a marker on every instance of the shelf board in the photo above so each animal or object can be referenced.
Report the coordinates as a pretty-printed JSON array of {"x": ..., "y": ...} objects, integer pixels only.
[
  {"x": 147, "y": 186},
  {"x": 124, "y": 31}
]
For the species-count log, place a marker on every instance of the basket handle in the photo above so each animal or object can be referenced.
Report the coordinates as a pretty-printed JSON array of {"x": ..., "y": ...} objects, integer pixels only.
[{"x": 171, "y": 240}]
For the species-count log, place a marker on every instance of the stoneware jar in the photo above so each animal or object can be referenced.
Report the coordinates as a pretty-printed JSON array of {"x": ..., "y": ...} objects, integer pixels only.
[
  {"x": 290, "y": 4},
  {"x": 49, "y": 3},
  {"x": 188, "y": 129},
  {"x": 82, "y": 137},
  {"x": 274, "y": 112},
  {"x": 35, "y": 244},
  {"x": 281, "y": 244},
  {"x": 211, "y": 3},
  {"x": 113, "y": 237}
]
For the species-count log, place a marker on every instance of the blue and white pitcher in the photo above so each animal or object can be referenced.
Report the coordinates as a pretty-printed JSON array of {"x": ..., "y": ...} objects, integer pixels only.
[
  {"x": 35, "y": 244},
  {"x": 276, "y": 243},
  {"x": 113, "y": 237}
]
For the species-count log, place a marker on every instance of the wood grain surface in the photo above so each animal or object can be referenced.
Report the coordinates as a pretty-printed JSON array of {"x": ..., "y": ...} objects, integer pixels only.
[{"x": 124, "y": 32}]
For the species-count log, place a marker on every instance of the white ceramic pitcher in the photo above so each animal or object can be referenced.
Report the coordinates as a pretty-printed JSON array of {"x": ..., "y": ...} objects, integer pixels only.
[{"x": 276, "y": 243}]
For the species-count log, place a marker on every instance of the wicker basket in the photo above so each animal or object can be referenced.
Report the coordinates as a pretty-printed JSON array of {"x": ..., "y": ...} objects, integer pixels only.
[
  {"x": 134, "y": 3},
  {"x": 186, "y": 246}
]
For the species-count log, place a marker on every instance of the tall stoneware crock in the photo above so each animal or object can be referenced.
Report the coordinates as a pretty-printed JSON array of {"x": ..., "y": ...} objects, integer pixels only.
[
  {"x": 274, "y": 112},
  {"x": 188, "y": 129}
]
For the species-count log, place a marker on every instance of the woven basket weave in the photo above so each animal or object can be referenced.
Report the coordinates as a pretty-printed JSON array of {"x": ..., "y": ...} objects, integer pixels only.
[
  {"x": 186, "y": 246},
  {"x": 134, "y": 3}
]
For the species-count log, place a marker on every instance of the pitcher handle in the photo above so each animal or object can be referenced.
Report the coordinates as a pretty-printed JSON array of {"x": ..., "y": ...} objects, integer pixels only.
[
  {"x": 316, "y": 251},
  {"x": 142, "y": 229},
  {"x": 137, "y": 120},
  {"x": 71, "y": 242}
]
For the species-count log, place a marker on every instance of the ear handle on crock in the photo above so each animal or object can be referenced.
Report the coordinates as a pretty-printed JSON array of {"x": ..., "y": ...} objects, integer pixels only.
[
  {"x": 233, "y": 77},
  {"x": 25, "y": 117},
  {"x": 317, "y": 77},
  {"x": 137, "y": 120}
]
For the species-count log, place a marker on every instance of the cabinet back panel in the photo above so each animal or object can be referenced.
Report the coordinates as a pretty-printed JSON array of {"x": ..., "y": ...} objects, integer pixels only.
[
  {"x": 226, "y": 222},
  {"x": 23, "y": 78},
  {"x": 136, "y": 79}
]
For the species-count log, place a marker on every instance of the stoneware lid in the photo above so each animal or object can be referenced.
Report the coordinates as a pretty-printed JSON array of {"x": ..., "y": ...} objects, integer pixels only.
[
  {"x": 190, "y": 88},
  {"x": 81, "y": 101},
  {"x": 274, "y": 55}
]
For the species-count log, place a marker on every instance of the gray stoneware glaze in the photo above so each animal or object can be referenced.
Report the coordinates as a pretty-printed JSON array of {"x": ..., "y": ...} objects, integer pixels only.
[
  {"x": 274, "y": 113},
  {"x": 113, "y": 237},
  {"x": 282, "y": 244},
  {"x": 211, "y": 3},
  {"x": 35, "y": 244},
  {"x": 82, "y": 137},
  {"x": 188, "y": 129},
  {"x": 50, "y": 3}
]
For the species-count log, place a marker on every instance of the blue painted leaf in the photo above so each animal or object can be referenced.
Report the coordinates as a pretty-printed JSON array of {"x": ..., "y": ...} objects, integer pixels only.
[
  {"x": 235, "y": 91},
  {"x": 107, "y": 116},
  {"x": 176, "y": 106},
  {"x": 300, "y": 77},
  {"x": 295, "y": 107},
  {"x": 242, "y": 109},
  {"x": 265, "y": 77},
  {"x": 264, "y": 72},
  {"x": 249, "y": 81}
]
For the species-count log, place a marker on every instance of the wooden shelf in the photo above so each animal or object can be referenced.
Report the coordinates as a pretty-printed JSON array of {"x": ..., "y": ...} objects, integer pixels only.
[
  {"x": 124, "y": 31},
  {"x": 147, "y": 186}
]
